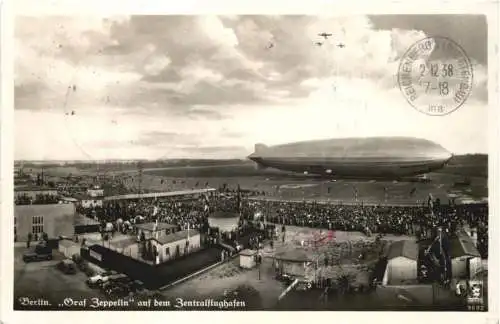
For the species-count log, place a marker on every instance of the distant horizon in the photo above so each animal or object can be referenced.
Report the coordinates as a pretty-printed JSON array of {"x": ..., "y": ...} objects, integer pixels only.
[{"x": 173, "y": 159}]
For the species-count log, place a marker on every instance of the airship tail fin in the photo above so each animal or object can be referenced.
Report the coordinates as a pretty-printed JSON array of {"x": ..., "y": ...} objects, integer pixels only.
[
  {"x": 257, "y": 156},
  {"x": 259, "y": 148}
]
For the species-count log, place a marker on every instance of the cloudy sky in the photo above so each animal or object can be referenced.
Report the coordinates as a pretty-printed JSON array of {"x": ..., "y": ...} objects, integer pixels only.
[{"x": 212, "y": 86}]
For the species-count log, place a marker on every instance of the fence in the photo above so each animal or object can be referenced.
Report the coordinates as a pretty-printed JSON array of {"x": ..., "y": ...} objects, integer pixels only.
[{"x": 81, "y": 229}]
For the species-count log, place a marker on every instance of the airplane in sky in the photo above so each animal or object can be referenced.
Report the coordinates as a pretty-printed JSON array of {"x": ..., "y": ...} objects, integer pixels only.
[{"x": 325, "y": 35}]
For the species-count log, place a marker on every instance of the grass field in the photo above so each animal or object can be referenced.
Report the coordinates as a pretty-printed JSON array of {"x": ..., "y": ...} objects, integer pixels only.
[
  {"x": 191, "y": 174},
  {"x": 475, "y": 165}
]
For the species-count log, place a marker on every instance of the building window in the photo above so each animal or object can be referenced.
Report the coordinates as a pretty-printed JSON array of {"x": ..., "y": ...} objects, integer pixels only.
[{"x": 37, "y": 224}]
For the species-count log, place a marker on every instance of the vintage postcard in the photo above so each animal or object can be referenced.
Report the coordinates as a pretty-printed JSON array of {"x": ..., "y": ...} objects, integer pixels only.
[{"x": 285, "y": 162}]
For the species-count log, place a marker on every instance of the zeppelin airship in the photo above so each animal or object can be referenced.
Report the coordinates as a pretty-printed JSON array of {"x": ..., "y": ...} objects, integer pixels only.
[{"x": 372, "y": 157}]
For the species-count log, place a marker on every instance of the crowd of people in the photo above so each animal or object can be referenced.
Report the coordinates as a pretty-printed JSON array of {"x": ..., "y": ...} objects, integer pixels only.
[
  {"x": 381, "y": 219},
  {"x": 400, "y": 220}
]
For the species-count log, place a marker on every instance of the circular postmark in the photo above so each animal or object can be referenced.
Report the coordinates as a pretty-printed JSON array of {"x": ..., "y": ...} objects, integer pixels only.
[{"x": 435, "y": 76}]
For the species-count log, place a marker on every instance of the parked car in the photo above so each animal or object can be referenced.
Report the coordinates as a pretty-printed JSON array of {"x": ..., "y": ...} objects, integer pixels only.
[
  {"x": 117, "y": 289},
  {"x": 32, "y": 256},
  {"x": 113, "y": 279},
  {"x": 40, "y": 252},
  {"x": 137, "y": 287},
  {"x": 67, "y": 266},
  {"x": 101, "y": 278}
]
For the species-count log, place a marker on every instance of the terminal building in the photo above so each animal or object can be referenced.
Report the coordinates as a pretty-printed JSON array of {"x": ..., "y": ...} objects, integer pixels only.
[{"x": 55, "y": 220}]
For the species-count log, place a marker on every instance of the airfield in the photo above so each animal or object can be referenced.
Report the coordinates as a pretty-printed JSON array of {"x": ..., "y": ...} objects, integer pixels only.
[{"x": 275, "y": 184}]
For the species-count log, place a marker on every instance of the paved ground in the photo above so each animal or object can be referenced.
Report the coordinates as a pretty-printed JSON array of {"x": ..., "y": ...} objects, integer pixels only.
[
  {"x": 229, "y": 278},
  {"x": 42, "y": 279}
]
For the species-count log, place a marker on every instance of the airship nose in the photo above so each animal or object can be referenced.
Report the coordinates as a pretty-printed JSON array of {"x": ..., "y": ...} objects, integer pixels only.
[
  {"x": 445, "y": 157},
  {"x": 441, "y": 154},
  {"x": 449, "y": 158}
]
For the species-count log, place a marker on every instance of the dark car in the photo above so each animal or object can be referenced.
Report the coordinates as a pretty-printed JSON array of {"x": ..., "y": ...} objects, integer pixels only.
[
  {"x": 115, "y": 279},
  {"x": 118, "y": 289},
  {"x": 32, "y": 256},
  {"x": 137, "y": 287},
  {"x": 67, "y": 266}
]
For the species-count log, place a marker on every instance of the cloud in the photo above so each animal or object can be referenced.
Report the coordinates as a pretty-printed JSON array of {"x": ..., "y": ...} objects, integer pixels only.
[{"x": 146, "y": 86}]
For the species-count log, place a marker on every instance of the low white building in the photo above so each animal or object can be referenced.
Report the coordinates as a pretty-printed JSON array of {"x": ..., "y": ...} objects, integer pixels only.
[
  {"x": 465, "y": 258},
  {"x": 69, "y": 248},
  {"x": 402, "y": 258},
  {"x": 170, "y": 246},
  {"x": 95, "y": 191},
  {"x": 87, "y": 201},
  {"x": 247, "y": 258}
]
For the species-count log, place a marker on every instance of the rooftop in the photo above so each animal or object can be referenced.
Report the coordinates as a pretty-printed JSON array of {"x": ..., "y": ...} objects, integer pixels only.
[
  {"x": 84, "y": 196},
  {"x": 123, "y": 243},
  {"x": 159, "y": 194},
  {"x": 67, "y": 243},
  {"x": 248, "y": 252},
  {"x": 404, "y": 248},
  {"x": 69, "y": 199},
  {"x": 177, "y": 236},
  {"x": 34, "y": 188},
  {"x": 462, "y": 245},
  {"x": 150, "y": 227}
]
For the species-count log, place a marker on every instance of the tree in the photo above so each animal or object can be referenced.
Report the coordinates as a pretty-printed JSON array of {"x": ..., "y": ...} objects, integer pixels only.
[{"x": 45, "y": 237}]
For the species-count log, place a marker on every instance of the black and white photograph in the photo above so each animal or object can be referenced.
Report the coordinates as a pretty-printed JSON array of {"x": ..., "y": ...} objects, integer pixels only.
[{"x": 251, "y": 162}]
